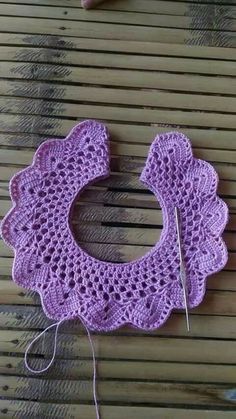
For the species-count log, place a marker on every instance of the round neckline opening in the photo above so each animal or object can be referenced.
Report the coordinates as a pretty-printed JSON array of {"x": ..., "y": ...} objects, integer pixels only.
[{"x": 149, "y": 253}]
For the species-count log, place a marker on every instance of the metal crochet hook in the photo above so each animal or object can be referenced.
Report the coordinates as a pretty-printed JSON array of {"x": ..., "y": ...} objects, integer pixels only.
[{"x": 182, "y": 266}]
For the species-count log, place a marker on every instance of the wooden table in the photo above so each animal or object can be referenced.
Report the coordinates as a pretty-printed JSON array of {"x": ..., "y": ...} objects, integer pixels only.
[{"x": 143, "y": 67}]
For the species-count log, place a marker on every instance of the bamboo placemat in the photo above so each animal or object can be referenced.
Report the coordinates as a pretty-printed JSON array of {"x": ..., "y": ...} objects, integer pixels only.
[{"x": 142, "y": 67}]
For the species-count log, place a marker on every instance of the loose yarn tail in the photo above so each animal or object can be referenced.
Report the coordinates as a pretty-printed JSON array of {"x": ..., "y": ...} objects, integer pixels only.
[
  {"x": 40, "y": 371},
  {"x": 34, "y": 371},
  {"x": 94, "y": 370}
]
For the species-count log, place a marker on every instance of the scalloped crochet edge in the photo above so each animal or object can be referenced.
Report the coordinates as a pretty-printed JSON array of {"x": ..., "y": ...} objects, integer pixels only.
[{"x": 83, "y": 316}]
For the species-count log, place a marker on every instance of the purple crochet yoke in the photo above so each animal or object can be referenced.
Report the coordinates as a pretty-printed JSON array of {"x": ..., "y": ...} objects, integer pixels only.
[{"x": 73, "y": 284}]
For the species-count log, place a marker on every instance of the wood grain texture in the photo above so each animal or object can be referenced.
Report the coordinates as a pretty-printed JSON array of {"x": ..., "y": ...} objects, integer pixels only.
[
  {"x": 143, "y": 67},
  {"x": 130, "y": 78},
  {"x": 153, "y": 6},
  {"x": 30, "y": 409},
  {"x": 126, "y": 370},
  {"x": 185, "y": 30},
  {"x": 132, "y": 18},
  {"x": 150, "y": 348},
  {"x": 32, "y": 107},
  {"x": 115, "y": 45},
  {"x": 126, "y": 391},
  {"x": 118, "y": 60},
  {"x": 187, "y": 20},
  {"x": 153, "y": 98}
]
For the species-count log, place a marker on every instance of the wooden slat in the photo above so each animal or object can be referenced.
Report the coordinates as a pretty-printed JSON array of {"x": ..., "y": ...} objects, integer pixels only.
[
  {"x": 116, "y": 391},
  {"x": 118, "y": 60},
  {"x": 94, "y": 29},
  {"x": 152, "y": 98},
  {"x": 152, "y": 348},
  {"x": 117, "y": 148},
  {"x": 119, "y": 30},
  {"x": 127, "y": 133},
  {"x": 14, "y": 294},
  {"x": 29, "y": 410},
  {"x": 149, "y": 6},
  {"x": 143, "y": 67},
  {"x": 5, "y": 206},
  {"x": 128, "y": 235},
  {"x": 119, "y": 77},
  {"x": 175, "y": 117},
  {"x": 136, "y": 200},
  {"x": 157, "y": 19},
  {"x": 114, "y": 45},
  {"x": 127, "y": 370}
]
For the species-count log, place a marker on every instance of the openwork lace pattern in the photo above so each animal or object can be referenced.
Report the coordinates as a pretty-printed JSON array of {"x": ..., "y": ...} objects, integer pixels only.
[{"x": 106, "y": 295}]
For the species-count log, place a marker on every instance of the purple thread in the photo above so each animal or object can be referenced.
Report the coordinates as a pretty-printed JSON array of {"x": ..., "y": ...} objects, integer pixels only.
[{"x": 57, "y": 325}]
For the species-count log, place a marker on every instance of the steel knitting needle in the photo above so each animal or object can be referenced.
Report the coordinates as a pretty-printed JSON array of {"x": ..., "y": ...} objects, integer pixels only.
[{"x": 182, "y": 266}]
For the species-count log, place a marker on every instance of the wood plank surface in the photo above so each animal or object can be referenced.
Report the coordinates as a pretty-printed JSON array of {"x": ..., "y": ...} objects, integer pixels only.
[
  {"x": 143, "y": 67},
  {"x": 30, "y": 410}
]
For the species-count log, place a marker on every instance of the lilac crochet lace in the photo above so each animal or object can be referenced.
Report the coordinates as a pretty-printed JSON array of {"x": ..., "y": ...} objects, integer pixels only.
[{"x": 72, "y": 284}]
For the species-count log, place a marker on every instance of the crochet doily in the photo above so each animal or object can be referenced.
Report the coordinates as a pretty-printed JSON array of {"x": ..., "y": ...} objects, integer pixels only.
[{"x": 106, "y": 295}]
